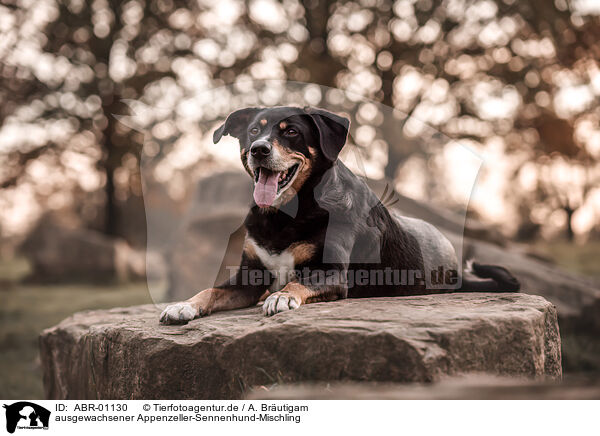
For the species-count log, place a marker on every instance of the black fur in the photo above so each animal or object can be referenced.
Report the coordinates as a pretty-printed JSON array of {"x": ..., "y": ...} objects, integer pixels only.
[
  {"x": 489, "y": 278},
  {"x": 337, "y": 212}
]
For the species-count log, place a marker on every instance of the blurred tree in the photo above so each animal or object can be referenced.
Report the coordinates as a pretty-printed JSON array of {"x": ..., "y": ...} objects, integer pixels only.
[
  {"x": 525, "y": 72},
  {"x": 519, "y": 76},
  {"x": 70, "y": 64}
]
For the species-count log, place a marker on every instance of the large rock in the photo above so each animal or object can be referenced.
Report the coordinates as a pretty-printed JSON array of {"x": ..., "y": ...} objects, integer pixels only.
[
  {"x": 210, "y": 241},
  {"x": 62, "y": 252},
  {"x": 125, "y": 353}
]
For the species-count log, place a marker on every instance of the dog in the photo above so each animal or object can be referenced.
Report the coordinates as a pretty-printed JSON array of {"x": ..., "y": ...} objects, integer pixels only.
[{"x": 316, "y": 232}]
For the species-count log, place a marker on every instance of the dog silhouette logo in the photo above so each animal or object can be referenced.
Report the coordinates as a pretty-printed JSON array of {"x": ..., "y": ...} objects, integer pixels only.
[{"x": 26, "y": 415}]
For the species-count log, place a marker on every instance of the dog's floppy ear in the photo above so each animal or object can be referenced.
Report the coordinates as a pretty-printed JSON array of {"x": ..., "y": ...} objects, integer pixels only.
[
  {"x": 333, "y": 130},
  {"x": 236, "y": 123}
]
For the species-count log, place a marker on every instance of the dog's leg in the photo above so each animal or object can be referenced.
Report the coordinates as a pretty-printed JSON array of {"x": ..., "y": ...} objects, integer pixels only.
[
  {"x": 294, "y": 294},
  {"x": 313, "y": 287},
  {"x": 206, "y": 302},
  {"x": 235, "y": 293}
]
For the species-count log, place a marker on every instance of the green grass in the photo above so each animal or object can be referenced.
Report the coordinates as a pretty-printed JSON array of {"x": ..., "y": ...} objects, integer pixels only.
[
  {"x": 26, "y": 310},
  {"x": 582, "y": 259},
  {"x": 580, "y": 353},
  {"x": 11, "y": 271}
]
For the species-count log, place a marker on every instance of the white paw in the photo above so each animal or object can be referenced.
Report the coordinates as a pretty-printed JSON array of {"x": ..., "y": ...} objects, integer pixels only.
[
  {"x": 279, "y": 302},
  {"x": 178, "y": 313}
]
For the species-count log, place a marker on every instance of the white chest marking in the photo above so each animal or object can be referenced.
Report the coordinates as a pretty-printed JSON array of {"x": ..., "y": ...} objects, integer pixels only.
[{"x": 280, "y": 264}]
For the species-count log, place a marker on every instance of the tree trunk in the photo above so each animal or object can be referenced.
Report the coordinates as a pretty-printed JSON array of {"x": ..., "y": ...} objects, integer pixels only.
[
  {"x": 113, "y": 155},
  {"x": 570, "y": 233},
  {"x": 110, "y": 208}
]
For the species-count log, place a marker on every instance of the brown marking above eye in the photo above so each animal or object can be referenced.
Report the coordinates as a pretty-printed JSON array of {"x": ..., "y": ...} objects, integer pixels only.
[
  {"x": 282, "y": 125},
  {"x": 263, "y": 122}
]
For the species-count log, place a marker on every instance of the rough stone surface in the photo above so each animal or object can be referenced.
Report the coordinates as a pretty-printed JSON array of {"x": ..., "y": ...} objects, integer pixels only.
[{"x": 125, "y": 353}]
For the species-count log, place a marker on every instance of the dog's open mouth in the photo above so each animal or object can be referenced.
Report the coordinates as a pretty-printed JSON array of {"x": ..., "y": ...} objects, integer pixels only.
[{"x": 269, "y": 184}]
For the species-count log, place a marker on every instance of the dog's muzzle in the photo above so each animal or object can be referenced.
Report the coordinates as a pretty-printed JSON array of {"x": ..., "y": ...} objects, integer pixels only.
[{"x": 260, "y": 149}]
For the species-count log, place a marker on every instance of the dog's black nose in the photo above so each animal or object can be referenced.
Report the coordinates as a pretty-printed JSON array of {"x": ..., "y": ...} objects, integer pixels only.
[{"x": 260, "y": 149}]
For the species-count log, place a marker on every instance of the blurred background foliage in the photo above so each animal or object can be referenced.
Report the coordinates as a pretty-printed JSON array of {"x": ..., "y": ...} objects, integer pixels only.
[
  {"x": 519, "y": 82},
  {"x": 516, "y": 81}
]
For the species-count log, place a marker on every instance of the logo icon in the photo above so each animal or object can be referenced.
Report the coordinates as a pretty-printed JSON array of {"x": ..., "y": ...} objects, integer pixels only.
[{"x": 26, "y": 415}]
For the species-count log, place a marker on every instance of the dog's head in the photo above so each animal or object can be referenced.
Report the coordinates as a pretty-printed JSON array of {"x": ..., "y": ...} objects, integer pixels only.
[{"x": 283, "y": 147}]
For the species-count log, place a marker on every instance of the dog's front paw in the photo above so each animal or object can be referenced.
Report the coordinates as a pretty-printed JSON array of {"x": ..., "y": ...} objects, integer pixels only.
[
  {"x": 179, "y": 313},
  {"x": 280, "y": 302}
]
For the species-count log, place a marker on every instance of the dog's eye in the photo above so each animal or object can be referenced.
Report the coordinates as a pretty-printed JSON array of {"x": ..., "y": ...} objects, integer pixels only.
[
  {"x": 254, "y": 131},
  {"x": 291, "y": 132}
]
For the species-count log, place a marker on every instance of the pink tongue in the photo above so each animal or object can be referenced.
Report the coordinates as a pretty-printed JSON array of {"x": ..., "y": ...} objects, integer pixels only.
[{"x": 265, "y": 189}]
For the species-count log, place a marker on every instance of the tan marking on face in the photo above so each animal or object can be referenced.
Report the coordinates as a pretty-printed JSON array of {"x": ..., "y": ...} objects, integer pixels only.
[
  {"x": 286, "y": 155},
  {"x": 282, "y": 125},
  {"x": 244, "y": 159},
  {"x": 312, "y": 151},
  {"x": 263, "y": 122},
  {"x": 303, "y": 173},
  {"x": 302, "y": 251},
  {"x": 282, "y": 151},
  {"x": 304, "y": 169}
]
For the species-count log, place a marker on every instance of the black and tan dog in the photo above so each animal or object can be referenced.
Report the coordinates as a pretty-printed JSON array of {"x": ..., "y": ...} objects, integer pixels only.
[{"x": 318, "y": 233}]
